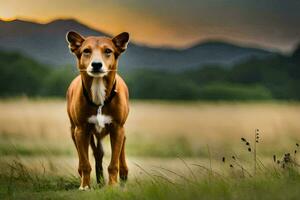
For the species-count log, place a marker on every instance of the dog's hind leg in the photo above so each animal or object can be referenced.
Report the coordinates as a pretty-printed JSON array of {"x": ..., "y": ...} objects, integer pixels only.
[
  {"x": 122, "y": 163},
  {"x": 98, "y": 154}
]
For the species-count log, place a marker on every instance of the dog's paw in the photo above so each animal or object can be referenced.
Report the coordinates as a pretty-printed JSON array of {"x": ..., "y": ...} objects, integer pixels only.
[
  {"x": 123, "y": 185},
  {"x": 85, "y": 188}
]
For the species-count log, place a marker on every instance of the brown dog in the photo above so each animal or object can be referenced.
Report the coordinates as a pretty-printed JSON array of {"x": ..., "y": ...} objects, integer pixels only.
[{"x": 97, "y": 104}]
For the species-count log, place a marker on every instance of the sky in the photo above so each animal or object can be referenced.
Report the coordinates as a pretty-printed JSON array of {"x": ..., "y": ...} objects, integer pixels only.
[{"x": 272, "y": 24}]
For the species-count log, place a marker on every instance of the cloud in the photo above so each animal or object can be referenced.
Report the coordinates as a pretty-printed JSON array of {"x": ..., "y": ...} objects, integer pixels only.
[{"x": 271, "y": 23}]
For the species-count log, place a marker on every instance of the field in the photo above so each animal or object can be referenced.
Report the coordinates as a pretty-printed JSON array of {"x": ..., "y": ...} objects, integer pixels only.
[{"x": 175, "y": 150}]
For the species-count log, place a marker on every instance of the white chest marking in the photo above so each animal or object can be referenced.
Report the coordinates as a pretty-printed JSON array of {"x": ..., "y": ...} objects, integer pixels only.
[
  {"x": 98, "y": 97},
  {"x": 100, "y": 120},
  {"x": 98, "y": 91}
]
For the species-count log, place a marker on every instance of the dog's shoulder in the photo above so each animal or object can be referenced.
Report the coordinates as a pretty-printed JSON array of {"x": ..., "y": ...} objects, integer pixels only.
[
  {"x": 121, "y": 86},
  {"x": 73, "y": 85}
]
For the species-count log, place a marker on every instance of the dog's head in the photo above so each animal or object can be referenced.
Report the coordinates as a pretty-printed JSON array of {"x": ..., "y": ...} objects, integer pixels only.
[{"x": 97, "y": 55}]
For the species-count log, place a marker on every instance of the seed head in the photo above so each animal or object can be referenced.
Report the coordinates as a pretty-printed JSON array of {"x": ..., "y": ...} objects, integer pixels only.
[
  {"x": 287, "y": 158},
  {"x": 223, "y": 159},
  {"x": 278, "y": 161},
  {"x": 249, "y": 149},
  {"x": 274, "y": 158},
  {"x": 243, "y": 139}
]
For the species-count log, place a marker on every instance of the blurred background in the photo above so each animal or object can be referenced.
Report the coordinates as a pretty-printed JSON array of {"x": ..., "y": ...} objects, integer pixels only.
[
  {"x": 208, "y": 50},
  {"x": 201, "y": 75}
]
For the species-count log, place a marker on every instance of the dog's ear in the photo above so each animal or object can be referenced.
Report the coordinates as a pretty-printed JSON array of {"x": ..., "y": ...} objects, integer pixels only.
[
  {"x": 121, "y": 41},
  {"x": 75, "y": 40}
]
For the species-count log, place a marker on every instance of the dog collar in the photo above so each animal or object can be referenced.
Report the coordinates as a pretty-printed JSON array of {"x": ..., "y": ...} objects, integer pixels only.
[{"x": 106, "y": 101}]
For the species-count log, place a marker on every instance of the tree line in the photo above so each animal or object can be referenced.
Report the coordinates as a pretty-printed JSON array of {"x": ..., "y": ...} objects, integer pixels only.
[{"x": 276, "y": 77}]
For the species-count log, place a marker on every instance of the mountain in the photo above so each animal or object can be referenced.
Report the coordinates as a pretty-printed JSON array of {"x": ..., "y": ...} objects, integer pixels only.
[
  {"x": 43, "y": 42},
  {"x": 46, "y": 43}
]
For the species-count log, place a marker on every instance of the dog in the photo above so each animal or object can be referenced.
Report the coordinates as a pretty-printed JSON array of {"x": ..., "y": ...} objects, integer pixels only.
[{"x": 98, "y": 104}]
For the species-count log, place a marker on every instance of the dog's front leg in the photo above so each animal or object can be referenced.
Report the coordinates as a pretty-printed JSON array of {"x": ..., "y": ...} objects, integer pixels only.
[
  {"x": 82, "y": 137},
  {"x": 116, "y": 140}
]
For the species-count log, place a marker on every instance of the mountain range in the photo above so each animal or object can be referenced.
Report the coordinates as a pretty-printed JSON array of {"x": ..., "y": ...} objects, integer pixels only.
[{"x": 46, "y": 43}]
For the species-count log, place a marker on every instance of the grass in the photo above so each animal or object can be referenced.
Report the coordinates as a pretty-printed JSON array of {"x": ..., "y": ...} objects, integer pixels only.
[
  {"x": 234, "y": 179},
  {"x": 19, "y": 182},
  {"x": 182, "y": 128},
  {"x": 175, "y": 151},
  {"x": 173, "y": 147},
  {"x": 24, "y": 146}
]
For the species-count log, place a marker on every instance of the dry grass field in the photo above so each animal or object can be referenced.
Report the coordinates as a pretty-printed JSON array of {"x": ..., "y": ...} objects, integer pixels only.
[
  {"x": 164, "y": 138},
  {"x": 196, "y": 124}
]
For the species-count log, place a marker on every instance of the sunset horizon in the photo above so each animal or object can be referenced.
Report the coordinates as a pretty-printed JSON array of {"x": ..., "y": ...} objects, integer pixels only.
[
  {"x": 241, "y": 43},
  {"x": 269, "y": 25}
]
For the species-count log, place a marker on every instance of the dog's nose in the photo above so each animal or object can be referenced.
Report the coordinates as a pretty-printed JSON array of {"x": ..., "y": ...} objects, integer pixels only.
[{"x": 96, "y": 66}]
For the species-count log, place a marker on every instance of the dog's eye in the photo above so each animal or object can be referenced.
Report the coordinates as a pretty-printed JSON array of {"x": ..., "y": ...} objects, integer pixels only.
[
  {"x": 107, "y": 51},
  {"x": 87, "y": 51}
]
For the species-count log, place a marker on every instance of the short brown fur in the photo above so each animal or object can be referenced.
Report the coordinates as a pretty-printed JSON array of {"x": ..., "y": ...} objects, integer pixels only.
[{"x": 79, "y": 109}]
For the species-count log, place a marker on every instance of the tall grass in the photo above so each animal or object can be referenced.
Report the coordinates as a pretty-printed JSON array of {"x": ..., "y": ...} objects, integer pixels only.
[
  {"x": 275, "y": 181},
  {"x": 175, "y": 151}
]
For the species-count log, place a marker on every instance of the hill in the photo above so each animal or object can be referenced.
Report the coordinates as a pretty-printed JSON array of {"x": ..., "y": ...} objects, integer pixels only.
[{"x": 46, "y": 44}]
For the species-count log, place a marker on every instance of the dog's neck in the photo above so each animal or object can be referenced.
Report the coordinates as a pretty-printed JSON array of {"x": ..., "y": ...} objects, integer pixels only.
[{"x": 98, "y": 88}]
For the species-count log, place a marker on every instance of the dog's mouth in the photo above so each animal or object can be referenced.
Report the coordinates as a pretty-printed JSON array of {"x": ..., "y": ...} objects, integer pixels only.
[{"x": 97, "y": 73}]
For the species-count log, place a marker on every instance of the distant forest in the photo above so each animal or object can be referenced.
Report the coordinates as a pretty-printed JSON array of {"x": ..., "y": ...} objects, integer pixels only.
[{"x": 276, "y": 77}]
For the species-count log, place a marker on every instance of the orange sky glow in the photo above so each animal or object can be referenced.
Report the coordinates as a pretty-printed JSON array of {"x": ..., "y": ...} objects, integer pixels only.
[{"x": 168, "y": 23}]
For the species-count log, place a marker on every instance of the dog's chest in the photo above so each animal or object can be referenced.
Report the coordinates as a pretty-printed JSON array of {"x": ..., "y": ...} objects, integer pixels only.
[{"x": 98, "y": 91}]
